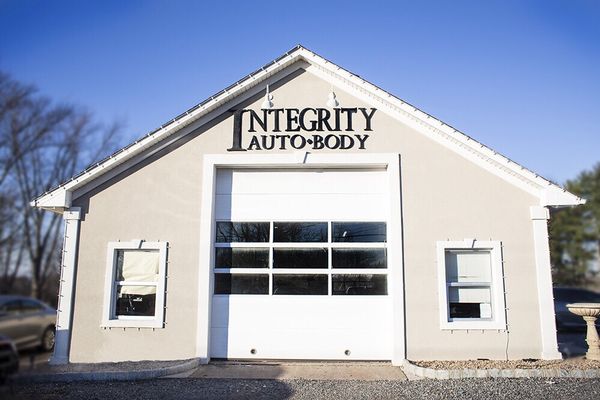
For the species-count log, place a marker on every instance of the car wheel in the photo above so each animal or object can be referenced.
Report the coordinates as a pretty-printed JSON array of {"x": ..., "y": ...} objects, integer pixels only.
[{"x": 48, "y": 339}]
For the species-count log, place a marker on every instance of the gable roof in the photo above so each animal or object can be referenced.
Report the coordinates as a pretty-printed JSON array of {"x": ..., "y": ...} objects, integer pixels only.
[{"x": 59, "y": 198}]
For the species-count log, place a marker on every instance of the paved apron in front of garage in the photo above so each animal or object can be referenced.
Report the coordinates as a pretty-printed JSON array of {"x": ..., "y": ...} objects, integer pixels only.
[{"x": 363, "y": 371}]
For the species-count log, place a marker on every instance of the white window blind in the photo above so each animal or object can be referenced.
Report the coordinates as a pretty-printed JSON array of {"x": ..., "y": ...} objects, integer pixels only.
[
  {"x": 136, "y": 266},
  {"x": 468, "y": 266},
  {"x": 471, "y": 294}
]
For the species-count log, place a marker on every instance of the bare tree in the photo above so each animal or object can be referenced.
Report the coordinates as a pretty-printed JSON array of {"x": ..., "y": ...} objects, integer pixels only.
[
  {"x": 41, "y": 145},
  {"x": 11, "y": 251}
]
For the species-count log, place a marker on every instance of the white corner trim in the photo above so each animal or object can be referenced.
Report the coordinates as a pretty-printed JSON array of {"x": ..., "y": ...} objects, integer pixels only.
[
  {"x": 64, "y": 311},
  {"x": 108, "y": 318},
  {"x": 539, "y": 217},
  {"x": 497, "y": 296},
  {"x": 205, "y": 281},
  {"x": 395, "y": 250}
]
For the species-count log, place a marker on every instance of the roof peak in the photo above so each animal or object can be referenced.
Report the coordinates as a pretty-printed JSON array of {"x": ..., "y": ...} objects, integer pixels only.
[{"x": 455, "y": 139}]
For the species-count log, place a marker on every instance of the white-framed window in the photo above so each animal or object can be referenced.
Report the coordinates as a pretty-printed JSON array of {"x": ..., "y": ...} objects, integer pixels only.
[
  {"x": 471, "y": 285},
  {"x": 135, "y": 284}
]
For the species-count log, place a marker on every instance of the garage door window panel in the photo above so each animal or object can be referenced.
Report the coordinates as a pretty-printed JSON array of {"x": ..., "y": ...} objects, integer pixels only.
[
  {"x": 241, "y": 257},
  {"x": 300, "y": 284},
  {"x": 291, "y": 232},
  {"x": 359, "y": 284},
  {"x": 232, "y": 232},
  {"x": 241, "y": 283},
  {"x": 359, "y": 258},
  {"x": 300, "y": 257},
  {"x": 361, "y": 232}
]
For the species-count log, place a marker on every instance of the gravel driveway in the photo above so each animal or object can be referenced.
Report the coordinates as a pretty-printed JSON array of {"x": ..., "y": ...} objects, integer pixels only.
[{"x": 305, "y": 389}]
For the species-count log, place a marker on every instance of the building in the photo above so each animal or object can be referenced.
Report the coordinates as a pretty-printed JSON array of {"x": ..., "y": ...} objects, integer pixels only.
[{"x": 304, "y": 213}]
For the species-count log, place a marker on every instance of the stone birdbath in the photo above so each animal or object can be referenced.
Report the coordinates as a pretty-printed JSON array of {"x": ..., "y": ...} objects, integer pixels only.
[{"x": 589, "y": 312}]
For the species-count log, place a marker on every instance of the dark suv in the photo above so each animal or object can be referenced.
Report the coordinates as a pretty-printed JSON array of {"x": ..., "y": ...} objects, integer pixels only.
[
  {"x": 566, "y": 320},
  {"x": 9, "y": 358}
]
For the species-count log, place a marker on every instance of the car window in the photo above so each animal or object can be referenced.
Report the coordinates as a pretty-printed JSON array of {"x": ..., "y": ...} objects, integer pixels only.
[
  {"x": 11, "y": 307},
  {"x": 31, "y": 306}
]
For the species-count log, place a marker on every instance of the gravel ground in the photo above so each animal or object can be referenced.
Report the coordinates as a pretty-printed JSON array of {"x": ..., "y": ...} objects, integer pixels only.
[
  {"x": 571, "y": 363},
  {"x": 188, "y": 389}
]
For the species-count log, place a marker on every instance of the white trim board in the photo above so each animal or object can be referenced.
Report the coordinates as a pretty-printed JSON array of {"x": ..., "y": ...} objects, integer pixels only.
[
  {"x": 550, "y": 194},
  {"x": 109, "y": 320},
  {"x": 64, "y": 310},
  {"x": 354, "y": 161},
  {"x": 543, "y": 270}
]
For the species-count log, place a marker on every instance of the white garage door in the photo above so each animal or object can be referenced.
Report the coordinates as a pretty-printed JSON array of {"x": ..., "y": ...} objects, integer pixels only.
[{"x": 300, "y": 265}]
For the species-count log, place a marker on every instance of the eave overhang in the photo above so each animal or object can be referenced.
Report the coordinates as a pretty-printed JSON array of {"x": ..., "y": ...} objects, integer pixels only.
[{"x": 59, "y": 198}]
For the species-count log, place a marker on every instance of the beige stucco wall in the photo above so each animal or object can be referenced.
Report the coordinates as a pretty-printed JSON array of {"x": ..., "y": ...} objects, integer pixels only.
[{"x": 444, "y": 197}]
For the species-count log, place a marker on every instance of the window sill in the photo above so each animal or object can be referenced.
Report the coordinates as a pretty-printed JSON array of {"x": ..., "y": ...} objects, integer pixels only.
[
  {"x": 132, "y": 323},
  {"x": 472, "y": 325}
]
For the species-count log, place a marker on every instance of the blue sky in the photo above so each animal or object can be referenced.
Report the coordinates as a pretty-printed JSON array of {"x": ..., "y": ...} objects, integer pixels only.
[{"x": 522, "y": 77}]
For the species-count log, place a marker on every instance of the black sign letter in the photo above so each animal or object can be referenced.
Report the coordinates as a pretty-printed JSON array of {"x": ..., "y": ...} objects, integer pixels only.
[
  {"x": 368, "y": 117},
  {"x": 237, "y": 131}
]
